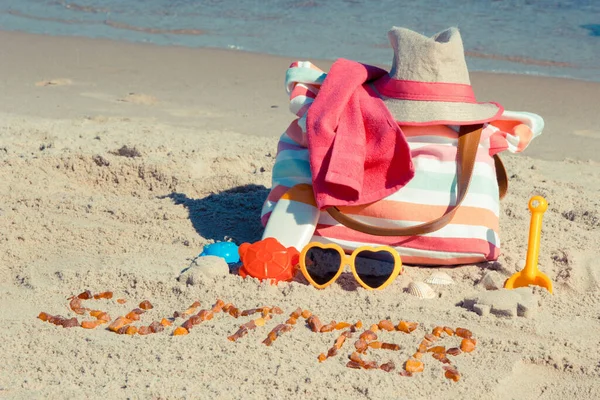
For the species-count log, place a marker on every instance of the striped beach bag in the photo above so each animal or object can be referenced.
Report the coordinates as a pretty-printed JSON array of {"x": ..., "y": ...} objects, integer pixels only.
[{"x": 457, "y": 205}]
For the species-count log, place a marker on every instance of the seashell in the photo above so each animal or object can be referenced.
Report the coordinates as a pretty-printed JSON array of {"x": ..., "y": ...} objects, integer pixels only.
[
  {"x": 421, "y": 290},
  {"x": 440, "y": 278}
]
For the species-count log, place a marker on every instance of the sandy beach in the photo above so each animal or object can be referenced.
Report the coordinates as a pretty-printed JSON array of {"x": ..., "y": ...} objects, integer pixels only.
[{"x": 119, "y": 162}]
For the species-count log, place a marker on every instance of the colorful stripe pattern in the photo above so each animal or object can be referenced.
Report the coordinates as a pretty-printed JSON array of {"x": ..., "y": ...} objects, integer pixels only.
[{"x": 473, "y": 233}]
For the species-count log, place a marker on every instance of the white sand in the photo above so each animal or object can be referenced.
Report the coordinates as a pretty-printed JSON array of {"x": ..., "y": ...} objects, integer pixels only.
[{"x": 76, "y": 213}]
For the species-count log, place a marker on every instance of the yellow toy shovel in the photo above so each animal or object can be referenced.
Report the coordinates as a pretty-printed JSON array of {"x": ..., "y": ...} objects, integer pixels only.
[{"x": 531, "y": 275}]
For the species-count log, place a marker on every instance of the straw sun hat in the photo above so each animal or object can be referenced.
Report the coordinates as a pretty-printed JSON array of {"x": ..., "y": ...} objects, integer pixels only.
[{"x": 429, "y": 81}]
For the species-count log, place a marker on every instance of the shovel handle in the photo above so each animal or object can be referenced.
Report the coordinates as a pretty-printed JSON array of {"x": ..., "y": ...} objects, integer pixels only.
[{"x": 537, "y": 205}]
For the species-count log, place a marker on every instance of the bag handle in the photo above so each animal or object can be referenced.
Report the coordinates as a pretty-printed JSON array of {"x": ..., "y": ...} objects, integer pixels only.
[{"x": 468, "y": 143}]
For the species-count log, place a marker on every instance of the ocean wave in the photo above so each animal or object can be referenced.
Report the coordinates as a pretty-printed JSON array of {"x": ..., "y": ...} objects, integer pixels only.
[
  {"x": 521, "y": 60},
  {"x": 155, "y": 31}
]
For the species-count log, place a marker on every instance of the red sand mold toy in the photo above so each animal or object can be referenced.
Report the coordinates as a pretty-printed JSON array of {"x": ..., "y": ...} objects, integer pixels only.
[{"x": 268, "y": 259}]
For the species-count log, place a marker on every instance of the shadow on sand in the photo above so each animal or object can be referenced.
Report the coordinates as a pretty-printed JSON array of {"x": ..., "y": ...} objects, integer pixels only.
[{"x": 233, "y": 213}]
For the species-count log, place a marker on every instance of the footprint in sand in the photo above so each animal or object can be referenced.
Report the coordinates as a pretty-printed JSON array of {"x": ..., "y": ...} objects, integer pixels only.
[
  {"x": 532, "y": 381},
  {"x": 55, "y": 82},
  {"x": 186, "y": 113},
  {"x": 132, "y": 98},
  {"x": 139, "y": 98},
  {"x": 587, "y": 133}
]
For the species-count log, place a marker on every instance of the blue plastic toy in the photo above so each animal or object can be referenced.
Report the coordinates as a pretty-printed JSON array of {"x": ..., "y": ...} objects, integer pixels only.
[{"x": 225, "y": 250}]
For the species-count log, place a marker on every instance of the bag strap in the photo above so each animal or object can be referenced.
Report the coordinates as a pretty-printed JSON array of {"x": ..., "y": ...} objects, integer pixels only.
[{"x": 468, "y": 143}]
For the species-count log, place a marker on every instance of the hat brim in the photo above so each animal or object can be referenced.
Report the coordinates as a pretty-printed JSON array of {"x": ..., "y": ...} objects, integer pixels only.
[{"x": 422, "y": 113}]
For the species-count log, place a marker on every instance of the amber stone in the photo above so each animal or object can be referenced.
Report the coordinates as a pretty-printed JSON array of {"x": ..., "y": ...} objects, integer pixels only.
[
  {"x": 360, "y": 345},
  {"x": 122, "y": 330},
  {"x": 414, "y": 366},
  {"x": 339, "y": 342},
  {"x": 144, "y": 330},
  {"x": 390, "y": 346},
  {"x": 43, "y": 316},
  {"x": 119, "y": 323},
  {"x": 188, "y": 324},
  {"x": 375, "y": 345},
  {"x": 250, "y": 325},
  {"x": 103, "y": 317},
  {"x": 423, "y": 347},
  {"x": 437, "y": 331},
  {"x": 180, "y": 331},
  {"x": 322, "y": 357},
  {"x": 90, "y": 324},
  {"x": 251, "y": 311},
  {"x": 437, "y": 349},
  {"x": 121, "y": 301},
  {"x": 217, "y": 307},
  {"x": 356, "y": 358},
  {"x": 463, "y": 333},
  {"x": 329, "y": 327},
  {"x": 354, "y": 365},
  {"x": 449, "y": 331},
  {"x": 454, "y": 351},
  {"x": 240, "y": 333},
  {"x": 190, "y": 310},
  {"x": 388, "y": 366},
  {"x": 104, "y": 295},
  {"x": 70, "y": 323},
  {"x": 332, "y": 351},
  {"x": 368, "y": 336},
  {"x": 205, "y": 315},
  {"x": 133, "y": 316},
  {"x": 453, "y": 374},
  {"x": 407, "y": 327},
  {"x": 146, "y": 305},
  {"x": 277, "y": 310},
  {"x": 431, "y": 337},
  {"x": 156, "y": 327},
  {"x": 85, "y": 295},
  {"x": 75, "y": 305},
  {"x": 305, "y": 314},
  {"x": 131, "y": 330},
  {"x": 386, "y": 324},
  {"x": 441, "y": 357},
  {"x": 342, "y": 325},
  {"x": 467, "y": 345},
  {"x": 297, "y": 313},
  {"x": 165, "y": 322},
  {"x": 314, "y": 323},
  {"x": 370, "y": 365}
]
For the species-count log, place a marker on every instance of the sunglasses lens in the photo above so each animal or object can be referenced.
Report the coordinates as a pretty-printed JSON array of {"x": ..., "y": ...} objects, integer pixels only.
[
  {"x": 322, "y": 264},
  {"x": 374, "y": 267}
]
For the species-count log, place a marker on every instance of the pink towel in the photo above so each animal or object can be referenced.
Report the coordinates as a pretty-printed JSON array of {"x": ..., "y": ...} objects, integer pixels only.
[{"x": 358, "y": 154}]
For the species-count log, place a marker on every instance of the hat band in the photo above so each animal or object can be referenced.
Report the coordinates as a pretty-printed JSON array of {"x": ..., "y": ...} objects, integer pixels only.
[{"x": 425, "y": 91}]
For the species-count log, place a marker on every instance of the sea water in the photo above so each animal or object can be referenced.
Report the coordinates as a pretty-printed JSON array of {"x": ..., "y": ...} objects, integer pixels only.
[{"x": 542, "y": 37}]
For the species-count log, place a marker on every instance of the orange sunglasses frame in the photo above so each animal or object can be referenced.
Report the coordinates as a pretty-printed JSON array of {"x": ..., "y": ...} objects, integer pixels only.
[{"x": 349, "y": 260}]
